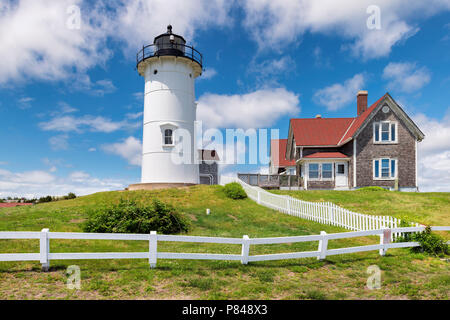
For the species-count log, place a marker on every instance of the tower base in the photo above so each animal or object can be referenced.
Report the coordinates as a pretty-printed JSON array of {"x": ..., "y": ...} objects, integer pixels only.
[{"x": 155, "y": 186}]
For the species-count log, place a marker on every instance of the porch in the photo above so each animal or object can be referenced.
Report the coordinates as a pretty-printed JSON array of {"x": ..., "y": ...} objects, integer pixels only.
[{"x": 272, "y": 181}]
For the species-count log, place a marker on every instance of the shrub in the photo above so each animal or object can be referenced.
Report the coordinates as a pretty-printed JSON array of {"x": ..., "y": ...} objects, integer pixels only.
[
  {"x": 374, "y": 188},
  {"x": 129, "y": 217},
  {"x": 429, "y": 242},
  {"x": 71, "y": 195},
  {"x": 234, "y": 191},
  {"x": 45, "y": 199}
]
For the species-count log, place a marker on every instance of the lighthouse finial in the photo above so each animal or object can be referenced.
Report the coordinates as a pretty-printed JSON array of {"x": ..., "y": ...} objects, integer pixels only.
[{"x": 169, "y": 29}]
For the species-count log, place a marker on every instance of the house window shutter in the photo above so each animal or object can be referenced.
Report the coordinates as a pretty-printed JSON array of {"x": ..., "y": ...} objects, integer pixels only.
[
  {"x": 393, "y": 132},
  {"x": 393, "y": 165},
  {"x": 376, "y": 169},
  {"x": 377, "y": 132}
]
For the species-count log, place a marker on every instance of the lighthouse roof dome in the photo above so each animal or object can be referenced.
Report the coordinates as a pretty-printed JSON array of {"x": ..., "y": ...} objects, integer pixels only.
[{"x": 168, "y": 36}]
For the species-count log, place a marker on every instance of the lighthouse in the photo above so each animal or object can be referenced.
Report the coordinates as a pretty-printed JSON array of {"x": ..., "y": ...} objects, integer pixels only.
[{"x": 169, "y": 68}]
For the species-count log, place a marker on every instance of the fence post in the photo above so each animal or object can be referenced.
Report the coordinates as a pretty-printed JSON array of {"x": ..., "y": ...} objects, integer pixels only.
[
  {"x": 44, "y": 249},
  {"x": 245, "y": 249},
  {"x": 385, "y": 238},
  {"x": 323, "y": 245},
  {"x": 153, "y": 249},
  {"x": 288, "y": 205}
]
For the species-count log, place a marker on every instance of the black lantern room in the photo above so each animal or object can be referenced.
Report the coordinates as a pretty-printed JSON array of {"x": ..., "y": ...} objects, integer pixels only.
[{"x": 170, "y": 44}]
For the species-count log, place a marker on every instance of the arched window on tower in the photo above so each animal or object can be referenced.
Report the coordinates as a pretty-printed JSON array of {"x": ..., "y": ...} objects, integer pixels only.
[{"x": 168, "y": 137}]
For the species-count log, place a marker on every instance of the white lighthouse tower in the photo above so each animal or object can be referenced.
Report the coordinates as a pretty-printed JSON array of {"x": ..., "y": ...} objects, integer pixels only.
[{"x": 169, "y": 68}]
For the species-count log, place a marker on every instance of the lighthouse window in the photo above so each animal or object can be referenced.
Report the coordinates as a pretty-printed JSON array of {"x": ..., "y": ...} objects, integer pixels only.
[
  {"x": 155, "y": 71},
  {"x": 168, "y": 137}
]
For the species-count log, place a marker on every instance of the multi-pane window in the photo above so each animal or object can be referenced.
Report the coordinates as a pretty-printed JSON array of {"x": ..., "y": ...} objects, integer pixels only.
[
  {"x": 385, "y": 132},
  {"x": 327, "y": 171},
  {"x": 385, "y": 168},
  {"x": 313, "y": 171},
  {"x": 168, "y": 137},
  {"x": 320, "y": 171}
]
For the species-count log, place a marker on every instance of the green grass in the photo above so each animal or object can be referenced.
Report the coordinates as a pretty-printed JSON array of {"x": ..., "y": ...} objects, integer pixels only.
[
  {"x": 431, "y": 208},
  {"x": 404, "y": 274}
]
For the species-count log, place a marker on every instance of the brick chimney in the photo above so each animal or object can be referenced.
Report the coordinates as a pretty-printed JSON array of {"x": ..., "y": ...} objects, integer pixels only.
[{"x": 361, "y": 101}]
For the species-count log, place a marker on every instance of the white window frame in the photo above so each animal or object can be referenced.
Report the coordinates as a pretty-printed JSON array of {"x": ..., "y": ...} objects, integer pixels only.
[
  {"x": 389, "y": 141},
  {"x": 320, "y": 169},
  {"x": 168, "y": 126},
  {"x": 380, "y": 168}
]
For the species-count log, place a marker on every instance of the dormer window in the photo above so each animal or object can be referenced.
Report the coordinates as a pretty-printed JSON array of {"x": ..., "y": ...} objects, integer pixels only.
[
  {"x": 168, "y": 137},
  {"x": 385, "y": 132}
]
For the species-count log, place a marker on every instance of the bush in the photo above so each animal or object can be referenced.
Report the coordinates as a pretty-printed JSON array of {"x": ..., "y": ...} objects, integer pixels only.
[
  {"x": 45, "y": 199},
  {"x": 234, "y": 191},
  {"x": 429, "y": 242},
  {"x": 71, "y": 195},
  {"x": 128, "y": 217},
  {"x": 372, "y": 189}
]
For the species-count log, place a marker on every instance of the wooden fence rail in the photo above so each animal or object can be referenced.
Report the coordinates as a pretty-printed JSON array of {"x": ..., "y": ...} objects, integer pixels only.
[
  {"x": 321, "y": 212},
  {"x": 45, "y": 255}
]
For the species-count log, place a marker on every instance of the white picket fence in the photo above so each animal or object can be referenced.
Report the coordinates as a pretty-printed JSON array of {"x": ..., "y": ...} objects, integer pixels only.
[
  {"x": 45, "y": 256},
  {"x": 321, "y": 212}
]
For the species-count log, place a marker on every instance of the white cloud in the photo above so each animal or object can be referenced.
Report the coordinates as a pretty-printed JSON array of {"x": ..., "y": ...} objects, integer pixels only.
[
  {"x": 59, "y": 142},
  {"x": 92, "y": 149},
  {"x": 434, "y": 153},
  {"x": 258, "y": 109},
  {"x": 37, "y": 44},
  {"x": 139, "y": 21},
  {"x": 338, "y": 95},
  {"x": 208, "y": 74},
  {"x": 101, "y": 87},
  {"x": 66, "y": 123},
  {"x": 405, "y": 76},
  {"x": 268, "y": 71},
  {"x": 130, "y": 149},
  {"x": 25, "y": 102},
  {"x": 34, "y": 184},
  {"x": 277, "y": 24},
  {"x": 134, "y": 115}
]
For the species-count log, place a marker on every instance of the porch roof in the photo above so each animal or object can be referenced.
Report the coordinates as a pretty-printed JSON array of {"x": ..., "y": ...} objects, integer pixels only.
[{"x": 326, "y": 155}]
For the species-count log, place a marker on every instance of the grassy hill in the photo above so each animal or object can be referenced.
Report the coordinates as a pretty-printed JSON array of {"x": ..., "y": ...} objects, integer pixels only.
[
  {"x": 404, "y": 274},
  {"x": 432, "y": 208}
]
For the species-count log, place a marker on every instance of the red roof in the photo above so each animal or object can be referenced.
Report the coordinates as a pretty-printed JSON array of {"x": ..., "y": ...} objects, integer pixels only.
[
  {"x": 359, "y": 121},
  {"x": 14, "y": 204},
  {"x": 328, "y": 131},
  {"x": 326, "y": 155},
  {"x": 278, "y": 153}
]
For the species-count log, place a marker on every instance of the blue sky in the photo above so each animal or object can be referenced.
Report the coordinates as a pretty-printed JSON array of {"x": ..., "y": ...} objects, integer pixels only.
[{"x": 71, "y": 99}]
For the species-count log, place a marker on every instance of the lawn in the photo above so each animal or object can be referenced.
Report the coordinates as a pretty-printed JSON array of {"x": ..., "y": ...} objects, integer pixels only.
[
  {"x": 405, "y": 275},
  {"x": 432, "y": 208}
]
